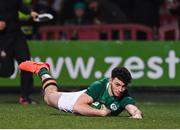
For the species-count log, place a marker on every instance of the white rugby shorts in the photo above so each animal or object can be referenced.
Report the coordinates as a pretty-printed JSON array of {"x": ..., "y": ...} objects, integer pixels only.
[{"x": 68, "y": 99}]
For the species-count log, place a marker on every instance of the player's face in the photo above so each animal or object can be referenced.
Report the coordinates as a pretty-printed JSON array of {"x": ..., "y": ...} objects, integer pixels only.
[
  {"x": 117, "y": 87},
  {"x": 79, "y": 12}
]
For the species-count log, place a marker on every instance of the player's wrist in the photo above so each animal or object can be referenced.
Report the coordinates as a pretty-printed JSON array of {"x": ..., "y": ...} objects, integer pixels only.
[
  {"x": 102, "y": 113},
  {"x": 137, "y": 115}
]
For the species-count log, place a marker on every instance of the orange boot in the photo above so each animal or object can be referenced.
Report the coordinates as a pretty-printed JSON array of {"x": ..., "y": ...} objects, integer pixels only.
[{"x": 32, "y": 66}]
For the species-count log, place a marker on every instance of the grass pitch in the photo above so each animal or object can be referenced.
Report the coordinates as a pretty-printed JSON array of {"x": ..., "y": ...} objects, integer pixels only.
[{"x": 157, "y": 114}]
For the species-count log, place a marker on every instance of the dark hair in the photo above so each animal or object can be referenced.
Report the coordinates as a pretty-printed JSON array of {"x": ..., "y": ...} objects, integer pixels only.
[
  {"x": 79, "y": 5},
  {"x": 122, "y": 74}
]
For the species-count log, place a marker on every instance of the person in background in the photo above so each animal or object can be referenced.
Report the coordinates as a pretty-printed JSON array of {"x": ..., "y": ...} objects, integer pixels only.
[
  {"x": 105, "y": 12},
  {"x": 79, "y": 17},
  {"x": 57, "y": 7},
  {"x": 66, "y": 11},
  {"x": 26, "y": 21},
  {"x": 174, "y": 9},
  {"x": 13, "y": 41}
]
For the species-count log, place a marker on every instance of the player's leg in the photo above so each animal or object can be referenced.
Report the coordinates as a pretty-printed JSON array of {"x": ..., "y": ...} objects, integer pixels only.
[
  {"x": 49, "y": 85},
  {"x": 50, "y": 89},
  {"x": 21, "y": 53}
]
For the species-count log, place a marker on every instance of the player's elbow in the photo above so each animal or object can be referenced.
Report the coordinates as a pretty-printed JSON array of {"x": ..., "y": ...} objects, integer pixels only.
[
  {"x": 79, "y": 109},
  {"x": 76, "y": 109}
]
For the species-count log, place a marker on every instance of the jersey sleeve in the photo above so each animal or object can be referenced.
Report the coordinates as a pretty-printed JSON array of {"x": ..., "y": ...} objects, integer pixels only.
[
  {"x": 95, "y": 89},
  {"x": 125, "y": 101}
]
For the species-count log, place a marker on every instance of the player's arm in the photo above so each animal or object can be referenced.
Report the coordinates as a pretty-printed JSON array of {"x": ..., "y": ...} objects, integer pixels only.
[
  {"x": 82, "y": 107},
  {"x": 134, "y": 111}
]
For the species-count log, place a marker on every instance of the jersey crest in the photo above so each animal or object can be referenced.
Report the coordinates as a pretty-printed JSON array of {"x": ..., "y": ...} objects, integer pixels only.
[{"x": 113, "y": 107}]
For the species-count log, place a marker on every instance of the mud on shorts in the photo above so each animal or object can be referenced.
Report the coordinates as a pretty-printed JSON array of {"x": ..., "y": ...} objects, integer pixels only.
[{"x": 68, "y": 99}]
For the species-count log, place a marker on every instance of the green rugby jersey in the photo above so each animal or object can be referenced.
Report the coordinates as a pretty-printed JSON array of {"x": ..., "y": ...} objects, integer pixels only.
[{"x": 99, "y": 92}]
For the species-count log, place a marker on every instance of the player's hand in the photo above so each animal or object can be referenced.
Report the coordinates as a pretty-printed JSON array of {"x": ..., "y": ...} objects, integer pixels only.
[
  {"x": 104, "y": 110},
  {"x": 34, "y": 15},
  {"x": 2, "y": 25},
  {"x": 137, "y": 116}
]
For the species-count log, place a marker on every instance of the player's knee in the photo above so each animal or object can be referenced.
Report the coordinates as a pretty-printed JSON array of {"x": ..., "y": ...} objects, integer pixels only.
[
  {"x": 47, "y": 92},
  {"x": 50, "y": 89},
  {"x": 46, "y": 100},
  {"x": 52, "y": 98}
]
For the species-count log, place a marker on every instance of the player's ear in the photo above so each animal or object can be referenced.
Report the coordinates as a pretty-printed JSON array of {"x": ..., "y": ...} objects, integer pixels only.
[{"x": 110, "y": 80}]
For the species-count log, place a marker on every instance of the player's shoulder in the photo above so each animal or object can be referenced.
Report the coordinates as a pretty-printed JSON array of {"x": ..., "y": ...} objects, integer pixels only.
[
  {"x": 104, "y": 80},
  {"x": 99, "y": 84}
]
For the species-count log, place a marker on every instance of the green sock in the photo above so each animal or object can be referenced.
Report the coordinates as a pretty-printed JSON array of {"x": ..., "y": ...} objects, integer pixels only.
[{"x": 43, "y": 71}]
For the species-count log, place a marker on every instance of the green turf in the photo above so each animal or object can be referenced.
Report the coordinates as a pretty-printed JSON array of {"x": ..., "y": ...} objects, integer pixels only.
[{"x": 158, "y": 114}]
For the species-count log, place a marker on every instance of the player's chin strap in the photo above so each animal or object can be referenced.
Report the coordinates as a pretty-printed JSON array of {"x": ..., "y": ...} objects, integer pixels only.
[{"x": 47, "y": 83}]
